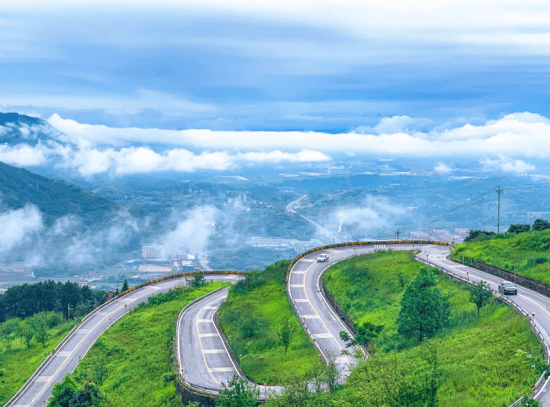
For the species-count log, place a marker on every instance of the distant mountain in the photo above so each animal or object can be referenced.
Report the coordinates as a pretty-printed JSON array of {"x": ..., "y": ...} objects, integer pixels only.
[
  {"x": 55, "y": 198},
  {"x": 21, "y": 129}
]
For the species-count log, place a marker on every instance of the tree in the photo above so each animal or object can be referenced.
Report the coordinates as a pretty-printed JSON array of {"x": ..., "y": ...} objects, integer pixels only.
[
  {"x": 8, "y": 327},
  {"x": 238, "y": 393},
  {"x": 70, "y": 296},
  {"x": 125, "y": 285},
  {"x": 519, "y": 228},
  {"x": 286, "y": 332},
  {"x": 197, "y": 281},
  {"x": 63, "y": 392},
  {"x": 478, "y": 235},
  {"x": 89, "y": 396},
  {"x": 527, "y": 401},
  {"x": 424, "y": 310},
  {"x": 364, "y": 336},
  {"x": 395, "y": 380},
  {"x": 26, "y": 332},
  {"x": 40, "y": 325},
  {"x": 541, "y": 224},
  {"x": 480, "y": 295}
]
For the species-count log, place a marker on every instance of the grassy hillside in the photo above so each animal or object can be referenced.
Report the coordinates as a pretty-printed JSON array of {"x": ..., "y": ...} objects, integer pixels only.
[
  {"x": 477, "y": 356},
  {"x": 130, "y": 363},
  {"x": 251, "y": 317},
  {"x": 55, "y": 198},
  {"x": 528, "y": 253},
  {"x": 18, "y": 362}
]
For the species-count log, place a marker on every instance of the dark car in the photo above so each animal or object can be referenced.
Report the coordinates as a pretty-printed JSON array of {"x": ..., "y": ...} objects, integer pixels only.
[{"x": 506, "y": 287}]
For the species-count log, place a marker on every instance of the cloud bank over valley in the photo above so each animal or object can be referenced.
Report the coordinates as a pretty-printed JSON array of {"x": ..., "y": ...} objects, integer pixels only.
[{"x": 505, "y": 144}]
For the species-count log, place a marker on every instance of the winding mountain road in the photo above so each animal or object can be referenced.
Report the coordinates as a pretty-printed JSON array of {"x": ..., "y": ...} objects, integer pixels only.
[
  {"x": 74, "y": 347},
  {"x": 204, "y": 358}
]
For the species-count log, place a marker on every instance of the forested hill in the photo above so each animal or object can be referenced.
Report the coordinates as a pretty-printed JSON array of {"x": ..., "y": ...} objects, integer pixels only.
[{"x": 55, "y": 198}]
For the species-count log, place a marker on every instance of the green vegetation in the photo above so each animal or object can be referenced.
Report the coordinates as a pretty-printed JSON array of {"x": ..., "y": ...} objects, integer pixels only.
[
  {"x": 22, "y": 301},
  {"x": 258, "y": 320},
  {"x": 239, "y": 392},
  {"x": 472, "y": 361},
  {"x": 526, "y": 254},
  {"x": 19, "y": 358},
  {"x": 424, "y": 311},
  {"x": 130, "y": 364},
  {"x": 55, "y": 198}
]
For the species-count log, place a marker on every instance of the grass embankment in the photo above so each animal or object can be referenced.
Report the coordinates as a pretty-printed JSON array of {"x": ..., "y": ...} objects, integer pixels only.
[
  {"x": 18, "y": 362},
  {"x": 528, "y": 253},
  {"x": 477, "y": 355},
  {"x": 251, "y": 317},
  {"x": 130, "y": 362}
]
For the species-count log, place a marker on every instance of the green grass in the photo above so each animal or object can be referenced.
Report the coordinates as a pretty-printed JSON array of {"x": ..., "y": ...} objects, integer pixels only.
[
  {"x": 131, "y": 361},
  {"x": 522, "y": 252},
  {"x": 17, "y": 363},
  {"x": 477, "y": 356},
  {"x": 251, "y": 318}
]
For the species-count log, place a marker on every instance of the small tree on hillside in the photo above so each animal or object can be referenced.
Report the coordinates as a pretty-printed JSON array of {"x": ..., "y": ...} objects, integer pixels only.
[
  {"x": 541, "y": 224},
  {"x": 286, "y": 332},
  {"x": 424, "y": 310},
  {"x": 197, "y": 280},
  {"x": 125, "y": 285},
  {"x": 527, "y": 401},
  {"x": 364, "y": 336},
  {"x": 480, "y": 295},
  {"x": 63, "y": 392},
  {"x": 26, "y": 332},
  {"x": 88, "y": 396},
  {"x": 40, "y": 326},
  {"x": 238, "y": 393},
  {"x": 8, "y": 327},
  {"x": 519, "y": 228}
]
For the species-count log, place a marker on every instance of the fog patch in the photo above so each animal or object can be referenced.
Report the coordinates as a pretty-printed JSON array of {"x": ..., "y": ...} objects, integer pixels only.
[
  {"x": 19, "y": 226},
  {"x": 191, "y": 230},
  {"x": 373, "y": 216}
]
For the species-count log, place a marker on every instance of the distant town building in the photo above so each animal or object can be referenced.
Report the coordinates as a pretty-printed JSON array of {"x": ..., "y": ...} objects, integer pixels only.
[
  {"x": 420, "y": 236},
  {"x": 437, "y": 232},
  {"x": 151, "y": 268},
  {"x": 152, "y": 252},
  {"x": 462, "y": 232}
]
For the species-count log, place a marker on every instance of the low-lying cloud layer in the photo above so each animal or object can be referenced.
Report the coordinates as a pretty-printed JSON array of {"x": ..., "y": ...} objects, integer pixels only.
[
  {"x": 366, "y": 220},
  {"x": 69, "y": 242},
  {"x": 96, "y": 149}
]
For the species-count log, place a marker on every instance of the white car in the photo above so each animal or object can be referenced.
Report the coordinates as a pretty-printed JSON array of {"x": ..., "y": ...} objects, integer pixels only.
[{"x": 322, "y": 257}]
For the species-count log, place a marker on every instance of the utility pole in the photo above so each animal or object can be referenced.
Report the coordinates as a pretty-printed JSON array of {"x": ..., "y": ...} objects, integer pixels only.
[
  {"x": 397, "y": 233},
  {"x": 498, "y": 191}
]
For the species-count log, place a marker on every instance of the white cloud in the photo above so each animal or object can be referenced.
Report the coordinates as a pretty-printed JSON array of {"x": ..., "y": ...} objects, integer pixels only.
[
  {"x": 443, "y": 168},
  {"x": 23, "y": 155},
  {"x": 192, "y": 231},
  {"x": 19, "y": 226},
  {"x": 395, "y": 124},
  {"x": 140, "y": 160},
  {"x": 515, "y": 134},
  {"x": 508, "y": 165},
  {"x": 95, "y": 149},
  {"x": 374, "y": 214}
]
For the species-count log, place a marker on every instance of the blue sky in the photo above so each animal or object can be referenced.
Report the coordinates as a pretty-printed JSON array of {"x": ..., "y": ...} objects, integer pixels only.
[
  {"x": 101, "y": 71},
  {"x": 284, "y": 66}
]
